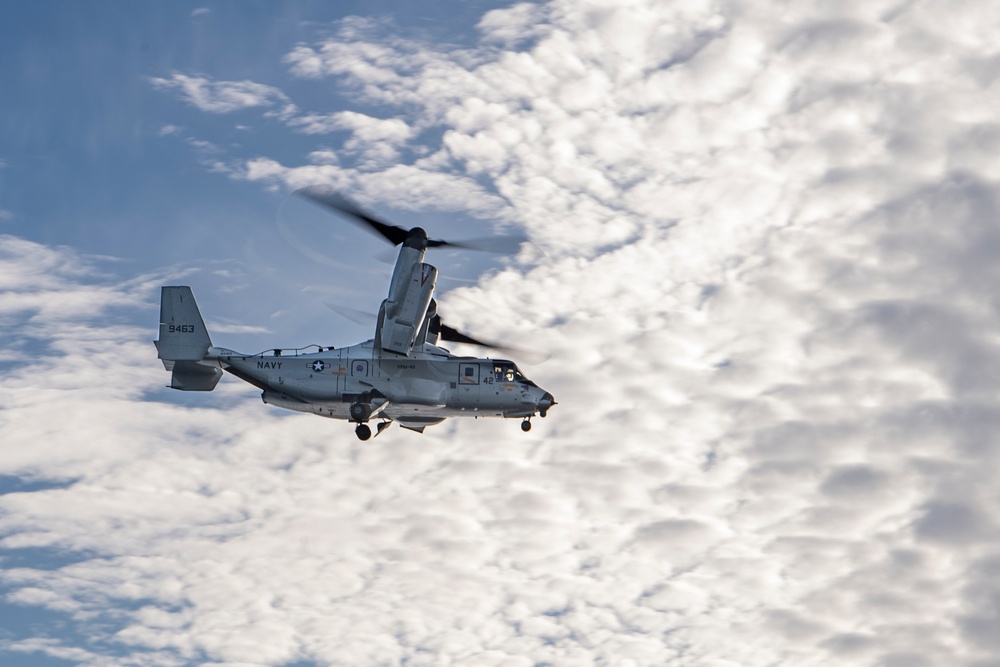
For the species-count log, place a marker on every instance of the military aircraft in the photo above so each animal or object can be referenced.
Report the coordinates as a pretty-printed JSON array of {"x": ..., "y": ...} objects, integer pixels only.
[{"x": 400, "y": 375}]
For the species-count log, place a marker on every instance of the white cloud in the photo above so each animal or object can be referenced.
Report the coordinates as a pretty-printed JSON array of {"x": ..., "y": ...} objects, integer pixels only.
[
  {"x": 364, "y": 128},
  {"x": 374, "y": 140},
  {"x": 514, "y": 24},
  {"x": 324, "y": 156},
  {"x": 221, "y": 96},
  {"x": 407, "y": 186},
  {"x": 772, "y": 241}
]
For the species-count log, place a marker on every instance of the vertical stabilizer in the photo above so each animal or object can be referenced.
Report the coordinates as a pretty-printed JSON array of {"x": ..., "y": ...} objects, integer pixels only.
[{"x": 183, "y": 336}]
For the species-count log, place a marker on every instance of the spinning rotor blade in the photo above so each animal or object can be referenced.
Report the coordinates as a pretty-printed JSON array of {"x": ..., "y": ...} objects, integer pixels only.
[
  {"x": 453, "y": 335},
  {"x": 394, "y": 234},
  {"x": 362, "y": 317},
  {"x": 502, "y": 245},
  {"x": 340, "y": 204}
]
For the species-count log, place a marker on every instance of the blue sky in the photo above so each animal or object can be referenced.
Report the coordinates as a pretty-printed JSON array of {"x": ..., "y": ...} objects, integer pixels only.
[
  {"x": 764, "y": 250},
  {"x": 99, "y": 159}
]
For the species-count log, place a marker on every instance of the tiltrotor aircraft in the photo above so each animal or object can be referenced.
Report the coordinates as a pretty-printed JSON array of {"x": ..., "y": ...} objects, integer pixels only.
[{"x": 400, "y": 375}]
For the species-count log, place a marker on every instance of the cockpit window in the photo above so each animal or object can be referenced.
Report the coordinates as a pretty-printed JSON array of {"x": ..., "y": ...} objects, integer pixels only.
[
  {"x": 503, "y": 372},
  {"x": 506, "y": 371}
]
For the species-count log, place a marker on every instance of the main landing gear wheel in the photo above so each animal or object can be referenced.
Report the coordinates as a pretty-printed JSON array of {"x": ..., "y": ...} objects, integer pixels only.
[
  {"x": 526, "y": 426},
  {"x": 363, "y": 432},
  {"x": 360, "y": 411}
]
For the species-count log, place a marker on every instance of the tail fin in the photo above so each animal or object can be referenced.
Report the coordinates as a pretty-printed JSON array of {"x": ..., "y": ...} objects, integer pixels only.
[
  {"x": 183, "y": 336},
  {"x": 184, "y": 341}
]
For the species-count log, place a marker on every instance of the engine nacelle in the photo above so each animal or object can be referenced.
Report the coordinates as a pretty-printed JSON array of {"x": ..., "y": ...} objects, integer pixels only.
[
  {"x": 401, "y": 320},
  {"x": 430, "y": 329}
]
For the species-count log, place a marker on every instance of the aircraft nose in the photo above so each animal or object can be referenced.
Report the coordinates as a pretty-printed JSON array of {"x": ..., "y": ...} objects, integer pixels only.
[{"x": 545, "y": 402}]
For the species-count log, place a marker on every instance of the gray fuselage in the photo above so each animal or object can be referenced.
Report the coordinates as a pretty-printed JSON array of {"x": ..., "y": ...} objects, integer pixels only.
[{"x": 422, "y": 388}]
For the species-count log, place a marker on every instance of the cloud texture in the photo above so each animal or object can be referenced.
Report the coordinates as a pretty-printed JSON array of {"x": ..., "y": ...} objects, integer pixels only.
[
  {"x": 220, "y": 96},
  {"x": 771, "y": 234}
]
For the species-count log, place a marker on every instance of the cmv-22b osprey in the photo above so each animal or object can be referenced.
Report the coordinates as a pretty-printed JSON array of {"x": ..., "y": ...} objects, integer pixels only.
[{"x": 400, "y": 375}]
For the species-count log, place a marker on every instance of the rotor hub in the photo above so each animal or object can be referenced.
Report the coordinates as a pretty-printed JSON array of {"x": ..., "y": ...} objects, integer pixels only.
[{"x": 417, "y": 239}]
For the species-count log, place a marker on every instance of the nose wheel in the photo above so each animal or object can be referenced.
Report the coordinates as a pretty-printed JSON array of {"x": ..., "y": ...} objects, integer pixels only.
[{"x": 526, "y": 426}]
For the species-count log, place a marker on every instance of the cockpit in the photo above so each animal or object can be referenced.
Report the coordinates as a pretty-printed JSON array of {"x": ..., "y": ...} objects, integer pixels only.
[{"x": 507, "y": 371}]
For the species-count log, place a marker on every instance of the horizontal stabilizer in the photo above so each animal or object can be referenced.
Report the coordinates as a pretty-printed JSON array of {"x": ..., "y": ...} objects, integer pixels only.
[{"x": 192, "y": 376}]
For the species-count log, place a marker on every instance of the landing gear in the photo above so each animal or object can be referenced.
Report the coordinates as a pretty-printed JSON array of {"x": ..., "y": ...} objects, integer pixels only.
[
  {"x": 526, "y": 426},
  {"x": 360, "y": 411}
]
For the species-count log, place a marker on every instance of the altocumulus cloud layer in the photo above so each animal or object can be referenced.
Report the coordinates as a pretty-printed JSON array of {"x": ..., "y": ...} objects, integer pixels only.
[{"x": 771, "y": 233}]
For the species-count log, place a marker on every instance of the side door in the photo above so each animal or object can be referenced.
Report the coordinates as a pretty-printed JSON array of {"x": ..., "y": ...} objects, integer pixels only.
[{"x": 468, "y": 386}]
